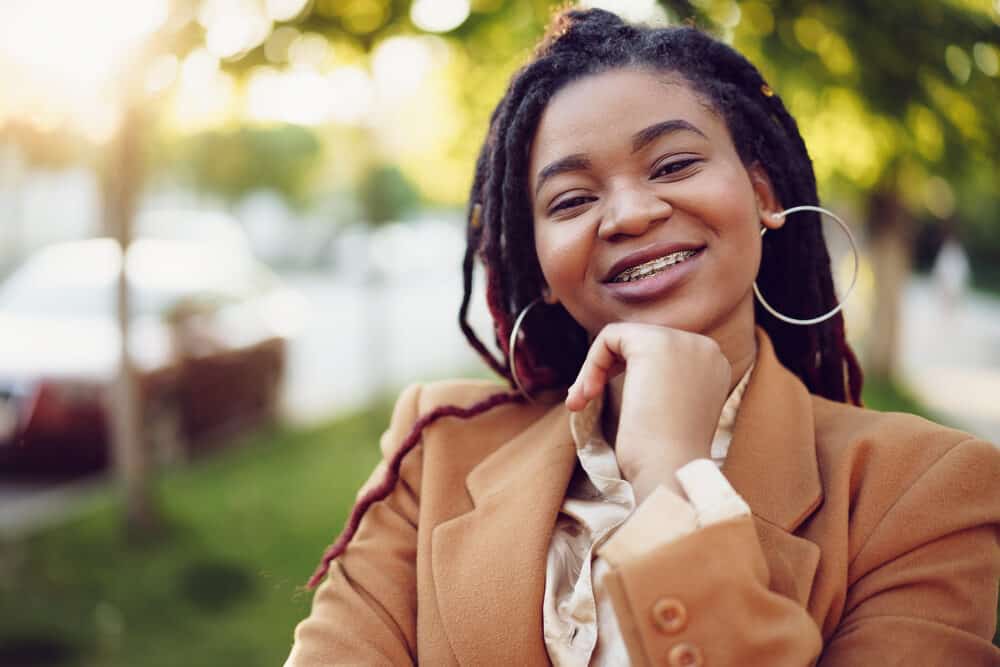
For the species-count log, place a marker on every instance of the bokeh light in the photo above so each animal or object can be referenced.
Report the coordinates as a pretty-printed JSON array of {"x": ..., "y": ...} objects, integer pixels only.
[
  {"x": 233, "y": 27},
  {"x": 399, "y": 65},
  {"x": 646, "y": 11},
  {"x": 299, "y": 96},
  {"x": 439, "y": 15},
  {"x": 986, "y": 58},
  {"x": 285, "y": 10},
  {"x": 353, "y": 94}
]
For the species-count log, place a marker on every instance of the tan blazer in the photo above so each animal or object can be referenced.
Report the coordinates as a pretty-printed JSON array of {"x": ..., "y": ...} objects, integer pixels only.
[{"x": 873, "y": 541}]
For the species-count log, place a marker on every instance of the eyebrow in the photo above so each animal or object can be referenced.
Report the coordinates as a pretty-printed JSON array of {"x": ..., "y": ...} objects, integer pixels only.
[
  {"x": 641, "y": 139},
  {"x": 575, "y": 162}
]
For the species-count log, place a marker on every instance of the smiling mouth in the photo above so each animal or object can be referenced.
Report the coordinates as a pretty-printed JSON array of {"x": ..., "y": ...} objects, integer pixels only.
[{"x": 652, "y": 267}]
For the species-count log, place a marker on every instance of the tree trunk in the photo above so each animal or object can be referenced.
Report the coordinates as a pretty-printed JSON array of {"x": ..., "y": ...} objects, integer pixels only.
[
  {"x": 121, "y": 181},
  {"x": 891, "y": 253}
]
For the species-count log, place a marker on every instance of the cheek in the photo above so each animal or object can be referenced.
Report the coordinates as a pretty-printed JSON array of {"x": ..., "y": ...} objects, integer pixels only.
[
  {"x": 740, "y": 218},
  {"x": 744, "y": 249},
  {"x": 564, "y": 255}
]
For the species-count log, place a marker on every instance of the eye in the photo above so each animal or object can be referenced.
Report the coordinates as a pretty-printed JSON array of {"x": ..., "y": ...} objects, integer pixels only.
[
  {"x": 571, "y": 202},
  {"x": 675, "y": 167}
]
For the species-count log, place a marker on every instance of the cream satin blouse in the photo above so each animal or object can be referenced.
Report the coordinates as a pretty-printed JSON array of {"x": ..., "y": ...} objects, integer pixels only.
[{"x": 599, "y": 517}]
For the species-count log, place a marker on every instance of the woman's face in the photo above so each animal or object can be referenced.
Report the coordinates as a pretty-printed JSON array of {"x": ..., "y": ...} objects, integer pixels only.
[{"x": 643, "y": 210}]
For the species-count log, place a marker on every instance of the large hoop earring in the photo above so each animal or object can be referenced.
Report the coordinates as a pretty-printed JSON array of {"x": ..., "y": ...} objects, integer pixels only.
[
  {"x": 854, "y": 279},
  {"x": 511, "y": 357}
]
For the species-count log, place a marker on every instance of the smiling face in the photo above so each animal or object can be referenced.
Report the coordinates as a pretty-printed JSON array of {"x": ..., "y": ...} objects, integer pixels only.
[{"x": 643, "y": 210}]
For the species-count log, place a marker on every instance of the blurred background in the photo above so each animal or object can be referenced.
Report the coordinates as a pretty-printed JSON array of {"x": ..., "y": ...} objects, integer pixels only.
[{"x": 183, "y": 425}]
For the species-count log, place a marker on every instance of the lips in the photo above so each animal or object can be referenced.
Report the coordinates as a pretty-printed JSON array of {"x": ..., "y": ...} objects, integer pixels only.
[{"x": 649, "y": 261}]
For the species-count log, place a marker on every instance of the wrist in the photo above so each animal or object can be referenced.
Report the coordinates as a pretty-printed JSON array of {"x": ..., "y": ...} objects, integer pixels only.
[
  {"x": 640, "y": 456},
  {"x": 647, "y": 480}
]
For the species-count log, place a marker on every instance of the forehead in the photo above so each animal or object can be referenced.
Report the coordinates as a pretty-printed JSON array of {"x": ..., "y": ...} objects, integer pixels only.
[{"x": 602, "y": 111}]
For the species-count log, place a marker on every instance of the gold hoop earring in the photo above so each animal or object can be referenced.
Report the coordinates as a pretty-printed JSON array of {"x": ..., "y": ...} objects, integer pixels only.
[
  {"x": 854, "y": 279},
  {"x": 511, "y": 357}
]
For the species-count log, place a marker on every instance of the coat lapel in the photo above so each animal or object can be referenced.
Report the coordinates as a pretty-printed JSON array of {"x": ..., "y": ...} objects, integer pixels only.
[
  {"x": 489, "y": 564},
  {"x": 772, "y": 460},
  {"x": 772, "y": 463}
]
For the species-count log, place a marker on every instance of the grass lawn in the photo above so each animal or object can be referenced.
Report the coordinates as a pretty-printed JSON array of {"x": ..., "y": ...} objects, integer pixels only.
[
  {"x": 892, "y": 397},
  {"x": 223, "y": 585}
]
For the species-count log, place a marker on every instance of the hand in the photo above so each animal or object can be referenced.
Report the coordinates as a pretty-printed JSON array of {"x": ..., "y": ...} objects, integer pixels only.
[{"x": 675, "y": 385}]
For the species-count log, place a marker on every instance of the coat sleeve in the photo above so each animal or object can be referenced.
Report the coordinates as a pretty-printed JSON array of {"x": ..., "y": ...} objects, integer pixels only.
[
  {"x": 921, "y": 591},
  {"x": 923, "y": 588},
  {"x": 365, "y": 612},
  {"x": 704, "y": 599}
]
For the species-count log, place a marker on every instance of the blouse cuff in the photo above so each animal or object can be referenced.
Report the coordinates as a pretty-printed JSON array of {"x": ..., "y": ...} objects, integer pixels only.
[
  {"x": 662, "y": 518},
  {"x": 710, "y": 493},
  {"x": 665, "y": 516}
]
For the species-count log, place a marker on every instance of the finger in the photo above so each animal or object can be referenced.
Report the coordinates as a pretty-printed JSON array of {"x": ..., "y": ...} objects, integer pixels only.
[{"x": 604, "y": 360}]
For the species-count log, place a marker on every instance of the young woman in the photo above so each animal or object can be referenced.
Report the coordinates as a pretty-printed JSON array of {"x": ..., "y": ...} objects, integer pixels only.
[{"x": 620, "y": 206}]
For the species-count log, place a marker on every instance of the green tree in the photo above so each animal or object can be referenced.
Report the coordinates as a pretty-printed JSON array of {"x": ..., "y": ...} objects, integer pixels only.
[
  {"x": 234, "y": 162},
  {"x": 386, "y": 195}
]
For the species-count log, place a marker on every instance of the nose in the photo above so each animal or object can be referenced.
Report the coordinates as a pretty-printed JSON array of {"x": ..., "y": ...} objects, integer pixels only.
[{"x": 631, "y": 211}]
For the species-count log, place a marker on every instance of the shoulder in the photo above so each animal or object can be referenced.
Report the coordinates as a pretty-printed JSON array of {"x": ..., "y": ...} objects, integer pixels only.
[
  {"x": 873, "y": 438},
  {"x": 896, "y": 473},
  {"x": 475, "y": 416},
  {"x": 462, "y": 392}
]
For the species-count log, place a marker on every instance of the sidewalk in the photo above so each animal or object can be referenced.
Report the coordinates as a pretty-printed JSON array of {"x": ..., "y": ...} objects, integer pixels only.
[{"x": 952, "y": 362}]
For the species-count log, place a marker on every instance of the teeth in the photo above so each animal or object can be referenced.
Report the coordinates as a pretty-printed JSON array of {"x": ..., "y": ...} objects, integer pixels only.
[{"x": 653, "y": 266}]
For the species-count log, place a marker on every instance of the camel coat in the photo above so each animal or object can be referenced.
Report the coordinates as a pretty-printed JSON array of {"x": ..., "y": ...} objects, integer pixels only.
[{"x": 873, "y": 541}]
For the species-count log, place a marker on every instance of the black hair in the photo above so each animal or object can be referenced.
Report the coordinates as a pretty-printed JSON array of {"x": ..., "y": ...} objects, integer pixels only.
[{"x": 795, "y": 270}]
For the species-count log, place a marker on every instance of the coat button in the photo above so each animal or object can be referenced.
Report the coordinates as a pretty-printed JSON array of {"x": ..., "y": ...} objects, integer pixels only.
[
  {"x": 670, "y": 615},
  {"x": 685, "y": 655}
]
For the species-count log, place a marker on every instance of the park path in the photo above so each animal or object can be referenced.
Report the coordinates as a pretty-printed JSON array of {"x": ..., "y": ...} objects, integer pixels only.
[{"x": 951, "y": 358}]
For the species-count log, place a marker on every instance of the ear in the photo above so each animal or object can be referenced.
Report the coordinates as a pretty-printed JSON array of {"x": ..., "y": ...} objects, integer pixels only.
[
  {"x": 548, "y": 297},
  {"x": 767, "y": 200}
]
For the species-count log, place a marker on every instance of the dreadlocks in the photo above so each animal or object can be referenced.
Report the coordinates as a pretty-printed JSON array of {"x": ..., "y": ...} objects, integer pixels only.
[{"x": 795, "y": 271}]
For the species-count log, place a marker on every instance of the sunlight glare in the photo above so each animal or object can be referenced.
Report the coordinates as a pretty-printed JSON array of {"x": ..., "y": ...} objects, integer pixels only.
[
  {"x": 100, "y": 122},
  {"x": 162, "y": 73},
  {"x": 58, "y": 59},
  {"x": 79, "y": 45},
  {"x": 205, "y": 93}
]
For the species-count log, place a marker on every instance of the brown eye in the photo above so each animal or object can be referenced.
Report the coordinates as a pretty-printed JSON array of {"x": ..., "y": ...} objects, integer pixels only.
[
  {"x": 674, "y": 167},
  {"x": 572, "y": 202}
]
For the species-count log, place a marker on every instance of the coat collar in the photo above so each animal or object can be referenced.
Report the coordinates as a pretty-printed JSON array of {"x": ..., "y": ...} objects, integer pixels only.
[
  {"x": 772, "y": 459},
  {"x": 489, "y": 563}
]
